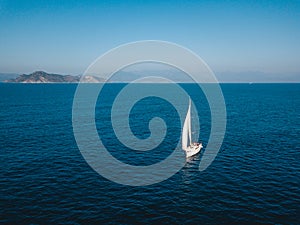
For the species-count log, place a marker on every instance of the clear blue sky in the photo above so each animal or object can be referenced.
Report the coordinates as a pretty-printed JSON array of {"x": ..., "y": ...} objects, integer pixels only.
[{"x": 231, "y": 36}]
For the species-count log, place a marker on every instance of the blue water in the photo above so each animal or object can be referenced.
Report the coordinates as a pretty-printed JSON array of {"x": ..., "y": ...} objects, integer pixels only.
[{"x": 255, "y": 178}]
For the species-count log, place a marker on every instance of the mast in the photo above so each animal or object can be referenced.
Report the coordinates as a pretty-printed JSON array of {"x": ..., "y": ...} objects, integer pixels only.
[{"x": 190, "y": 122}]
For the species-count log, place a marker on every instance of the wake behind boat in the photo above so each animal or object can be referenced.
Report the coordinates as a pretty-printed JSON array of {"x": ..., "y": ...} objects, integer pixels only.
[{"x": 190, "y": 148}]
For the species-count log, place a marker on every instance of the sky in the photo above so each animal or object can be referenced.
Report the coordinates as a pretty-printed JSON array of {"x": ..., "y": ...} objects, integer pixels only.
[{"x": 235, "y": 38}]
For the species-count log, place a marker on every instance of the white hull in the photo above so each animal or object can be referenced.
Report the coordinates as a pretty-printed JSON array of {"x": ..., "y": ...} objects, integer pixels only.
[{"x": 193, "y": 150}]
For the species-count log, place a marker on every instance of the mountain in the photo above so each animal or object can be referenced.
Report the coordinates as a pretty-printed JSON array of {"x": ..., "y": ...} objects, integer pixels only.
[{"x": 43, "y": 77}]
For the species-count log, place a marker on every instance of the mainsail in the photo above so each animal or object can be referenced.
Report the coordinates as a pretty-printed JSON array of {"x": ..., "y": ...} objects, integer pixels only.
[{"x": 187, "y": 130}]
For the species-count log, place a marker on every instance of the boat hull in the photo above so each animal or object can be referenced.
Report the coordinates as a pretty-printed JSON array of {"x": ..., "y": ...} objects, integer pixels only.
[{"x": 193, "y": 150}]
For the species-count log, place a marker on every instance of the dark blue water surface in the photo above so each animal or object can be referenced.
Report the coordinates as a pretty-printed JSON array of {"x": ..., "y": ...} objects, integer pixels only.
[{"x": 255, "y": 178}]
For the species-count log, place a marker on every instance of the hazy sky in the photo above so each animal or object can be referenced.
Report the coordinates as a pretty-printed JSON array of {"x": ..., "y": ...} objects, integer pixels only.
[{"x": 231, "y": 36}]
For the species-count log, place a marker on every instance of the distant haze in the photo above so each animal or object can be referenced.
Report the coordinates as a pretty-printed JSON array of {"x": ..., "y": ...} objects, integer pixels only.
[{"x": 225, "y": 77}]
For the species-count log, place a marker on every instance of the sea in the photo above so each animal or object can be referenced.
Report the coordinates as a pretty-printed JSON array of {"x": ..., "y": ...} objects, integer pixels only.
[{"x": 254, "y": 178}]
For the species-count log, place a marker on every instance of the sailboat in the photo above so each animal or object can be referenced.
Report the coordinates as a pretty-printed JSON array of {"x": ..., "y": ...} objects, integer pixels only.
[{"x": 190, "y": 148}]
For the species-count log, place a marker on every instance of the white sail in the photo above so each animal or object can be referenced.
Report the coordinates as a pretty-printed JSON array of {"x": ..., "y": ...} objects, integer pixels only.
[{"x": 186, "y": 130}]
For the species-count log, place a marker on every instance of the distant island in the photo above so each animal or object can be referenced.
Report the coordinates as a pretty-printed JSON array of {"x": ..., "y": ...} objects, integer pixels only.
[{"x": 43, "y": 77}]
